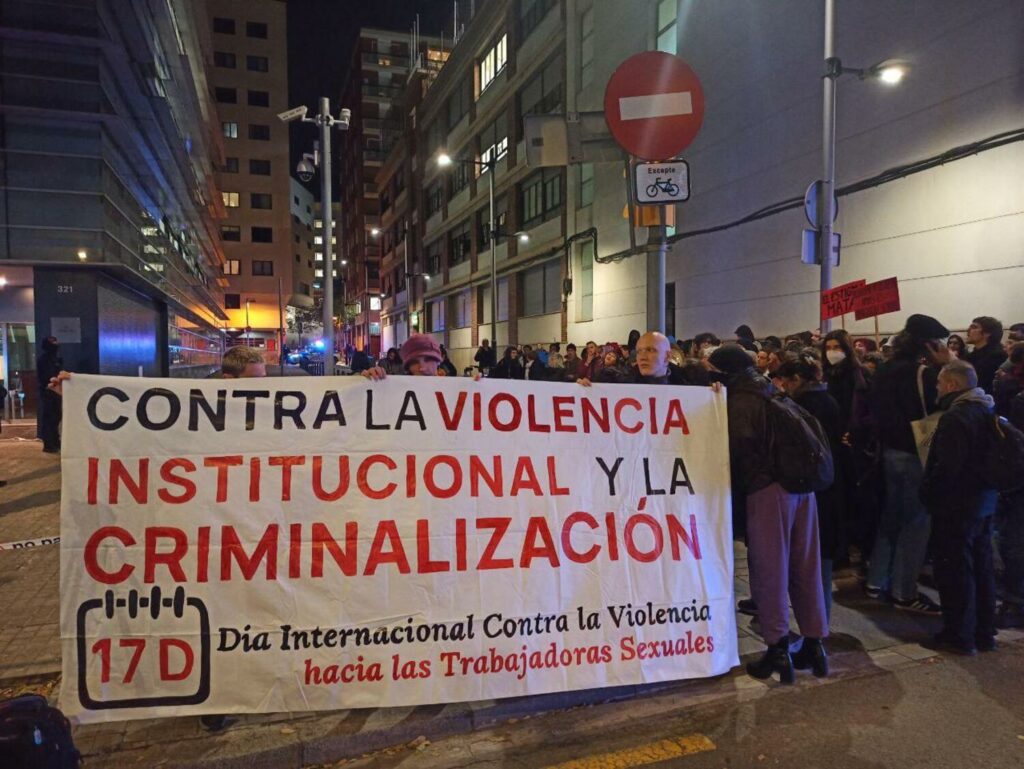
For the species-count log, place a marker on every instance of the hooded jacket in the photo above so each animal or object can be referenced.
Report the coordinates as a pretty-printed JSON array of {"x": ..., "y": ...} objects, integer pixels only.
[
  {"x": 952, "y": 487},
  {"x": 749, "y": 457}
]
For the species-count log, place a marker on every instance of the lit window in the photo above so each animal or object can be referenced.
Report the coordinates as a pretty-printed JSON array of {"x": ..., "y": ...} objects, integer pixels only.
[
  {"x": 230, "y": 130},
  {"x": 318, "y": 273},
  {"x": 230, "y": 199},
  {"x": 374, "y": 302},
  {"x": 492, "y": 63},
  {"x": 232, "y": 267},
  {"x": 318, "y": 240}
]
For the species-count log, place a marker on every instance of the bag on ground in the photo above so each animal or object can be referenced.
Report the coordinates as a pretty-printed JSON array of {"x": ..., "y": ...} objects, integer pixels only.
[{"x": 34, "y": 735}]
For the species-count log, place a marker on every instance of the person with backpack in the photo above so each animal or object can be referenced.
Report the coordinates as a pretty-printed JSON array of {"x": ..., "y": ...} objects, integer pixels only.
[
  {"x": 802, "y": 381},
  {"x": 904, "y": 392},
  {"x": 776, "y": 460},
  {"x": 961, "y": 499}
]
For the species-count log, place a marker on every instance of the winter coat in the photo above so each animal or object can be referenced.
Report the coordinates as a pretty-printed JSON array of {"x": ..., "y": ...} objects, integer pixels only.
[
  {"x": 677, "y": 375},
  {"x": 485, "y": 358},
  {"x": 392, "y": 367},
  {"x": 749, "y": 457},
  {"x": 986, "y": 361},
  {"x": 537, "y": 371},
  {"x": 448, "y": 367},
  {"x": 952, "y": 487},
  {"x": 507, "y": 368},
  {"x": 897, "y": 403},
  {"x": 574, "y": 369},
  {"x": 820, "y": 404}
]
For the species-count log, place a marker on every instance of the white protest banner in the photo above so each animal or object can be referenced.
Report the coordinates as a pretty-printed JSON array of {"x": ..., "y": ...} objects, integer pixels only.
[{"x": 298, "y": 544}]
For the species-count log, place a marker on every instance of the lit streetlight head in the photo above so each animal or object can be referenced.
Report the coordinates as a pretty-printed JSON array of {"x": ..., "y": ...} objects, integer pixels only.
[
  {"x": 344, "y": 262},
  {"x": 3, "y": 281},
  {"x": 524, "y": 237},
  {"x": 890, "y": 72},
  {"x": 375, "y": 231},
  {"x": 82, "y": 255},
  {"x": 444, "y": 160}
]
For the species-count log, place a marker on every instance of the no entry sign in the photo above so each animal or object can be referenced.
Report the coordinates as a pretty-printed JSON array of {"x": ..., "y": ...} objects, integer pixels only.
[{"x": 654, "y": 105}]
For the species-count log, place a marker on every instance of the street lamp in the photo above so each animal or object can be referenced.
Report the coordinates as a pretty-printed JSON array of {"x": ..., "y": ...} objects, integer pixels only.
[
  {"x": 890, "y": 72},
  {"x": 444, "y": 160},
  {"x": 322, "y": 158}
]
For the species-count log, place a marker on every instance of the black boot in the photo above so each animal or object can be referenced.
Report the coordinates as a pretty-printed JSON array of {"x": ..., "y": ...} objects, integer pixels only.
[
  {"x": 776, "y": 659},
  {"x": 812, "y": 655}
]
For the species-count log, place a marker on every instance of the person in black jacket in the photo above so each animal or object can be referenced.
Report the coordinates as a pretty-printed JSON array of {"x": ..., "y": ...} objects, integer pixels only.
[
  {"x": 653, "y": 366},
  {"x": 782, "y": 528},
  {"x": 986, "y": 334},
  {"x": 961, "y": 504},
  {"x": 905, "y": 391},
  {"x": 801, "y": 380},
  {"x": 446, "y": 365},
  {"x": 485, "y": 357},
  {"x": 48, "y": 366},
  {"x": 509, "y": 367}
]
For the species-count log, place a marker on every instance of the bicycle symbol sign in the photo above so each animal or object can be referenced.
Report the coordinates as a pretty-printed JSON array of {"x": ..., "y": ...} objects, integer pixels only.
[{"x": 660, "y": 183}]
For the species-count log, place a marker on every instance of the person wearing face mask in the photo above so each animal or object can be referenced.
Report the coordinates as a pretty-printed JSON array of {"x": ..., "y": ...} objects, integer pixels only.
[{"x": 961, "y": 504}]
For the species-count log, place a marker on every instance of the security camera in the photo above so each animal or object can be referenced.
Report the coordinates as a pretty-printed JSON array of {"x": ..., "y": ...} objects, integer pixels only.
[
  {"x": 296, "y": 113},
  {"x": 344, "y": 118},
  {"x": 305, "y": 170}
]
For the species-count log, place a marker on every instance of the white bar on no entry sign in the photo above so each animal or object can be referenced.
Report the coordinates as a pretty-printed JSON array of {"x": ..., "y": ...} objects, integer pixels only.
[{"x": 655, "y": 105}]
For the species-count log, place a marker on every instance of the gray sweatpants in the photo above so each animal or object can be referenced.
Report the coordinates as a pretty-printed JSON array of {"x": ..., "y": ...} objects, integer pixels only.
[{"x": 785, "y": 562}]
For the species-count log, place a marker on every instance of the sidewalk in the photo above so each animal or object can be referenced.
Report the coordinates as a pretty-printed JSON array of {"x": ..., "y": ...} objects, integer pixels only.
[{"x": 868, "y": 638}]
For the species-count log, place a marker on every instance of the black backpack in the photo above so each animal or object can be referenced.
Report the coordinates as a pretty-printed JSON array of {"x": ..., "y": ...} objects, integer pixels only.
[
  {"x": 34, "y": 735},
  {"x": 1004, "y": 459},
  {"x": 800, "y": 455}
]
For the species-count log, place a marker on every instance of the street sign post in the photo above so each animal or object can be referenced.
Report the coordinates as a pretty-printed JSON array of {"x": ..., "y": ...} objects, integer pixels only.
[
  {"x": 654, "y": 105},
  {"x": 810, "y": 249},
  {"x": 813, "y": 208},
  {"x": 661, "y": 183}
]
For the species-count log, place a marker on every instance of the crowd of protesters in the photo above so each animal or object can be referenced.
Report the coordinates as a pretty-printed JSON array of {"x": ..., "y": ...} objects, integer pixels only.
[
  {"x": 843, "y": 453},
  {"x": 884, "y": 509}
]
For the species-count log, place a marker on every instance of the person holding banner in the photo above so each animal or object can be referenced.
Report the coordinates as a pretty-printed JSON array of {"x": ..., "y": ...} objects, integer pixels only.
[{"x": 782, "y": 527}]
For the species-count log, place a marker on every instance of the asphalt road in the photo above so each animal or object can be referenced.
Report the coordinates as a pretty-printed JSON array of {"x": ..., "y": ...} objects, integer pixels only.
[{"x": 947, "y": 712}]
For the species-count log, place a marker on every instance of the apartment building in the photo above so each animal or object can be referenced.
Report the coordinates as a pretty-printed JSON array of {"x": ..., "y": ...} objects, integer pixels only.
[
  {"x": 249, "y": 78},
  {"x": 109, "y": 237},
  {"x": 378, "y": 73}
]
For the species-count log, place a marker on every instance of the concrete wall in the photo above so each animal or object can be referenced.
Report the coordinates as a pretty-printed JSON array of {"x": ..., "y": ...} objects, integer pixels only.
[{"x": 954, "y": 236}]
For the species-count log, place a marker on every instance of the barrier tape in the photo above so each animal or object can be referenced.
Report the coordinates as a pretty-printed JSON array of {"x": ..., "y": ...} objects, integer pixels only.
[{"x": 27, "y": 543}]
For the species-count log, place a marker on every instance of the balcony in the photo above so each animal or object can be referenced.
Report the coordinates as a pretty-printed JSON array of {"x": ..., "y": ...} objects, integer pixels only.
[
  {"x": 377, "y": 91},
  {"x": 384, "y": 59}
]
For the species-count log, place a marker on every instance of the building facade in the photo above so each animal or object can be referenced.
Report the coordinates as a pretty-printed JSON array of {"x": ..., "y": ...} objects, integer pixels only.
[
  {"x": 109, "y": 227},
  {"x": 249, "y": 79},
  {"x": 374, "y": 91},
  {"x": 949, "y": 233},
  {"x": 952, "y": 234}
]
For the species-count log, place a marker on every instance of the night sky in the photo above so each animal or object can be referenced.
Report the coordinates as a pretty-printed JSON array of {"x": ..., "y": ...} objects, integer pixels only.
[{"x": 321, "y": 34}]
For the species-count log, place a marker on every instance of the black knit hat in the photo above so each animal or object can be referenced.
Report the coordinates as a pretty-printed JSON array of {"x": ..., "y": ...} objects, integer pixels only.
[
  {"x": 730, "y": 359},
  {"x": 925, "y": 327}
]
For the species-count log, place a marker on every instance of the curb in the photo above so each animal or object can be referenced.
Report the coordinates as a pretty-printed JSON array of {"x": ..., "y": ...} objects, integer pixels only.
[{"x": 317, "y": 740}]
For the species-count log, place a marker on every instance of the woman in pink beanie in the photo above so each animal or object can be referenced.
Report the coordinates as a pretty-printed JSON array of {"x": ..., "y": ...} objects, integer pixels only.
[{"x": 420, "y": 355}]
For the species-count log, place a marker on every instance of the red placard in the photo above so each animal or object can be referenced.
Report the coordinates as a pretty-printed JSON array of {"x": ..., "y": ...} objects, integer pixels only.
[
  {"x": 654, "y": 105},
  {"x": 839, "y": 300},
  {"x": 877, "y": 299}
]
